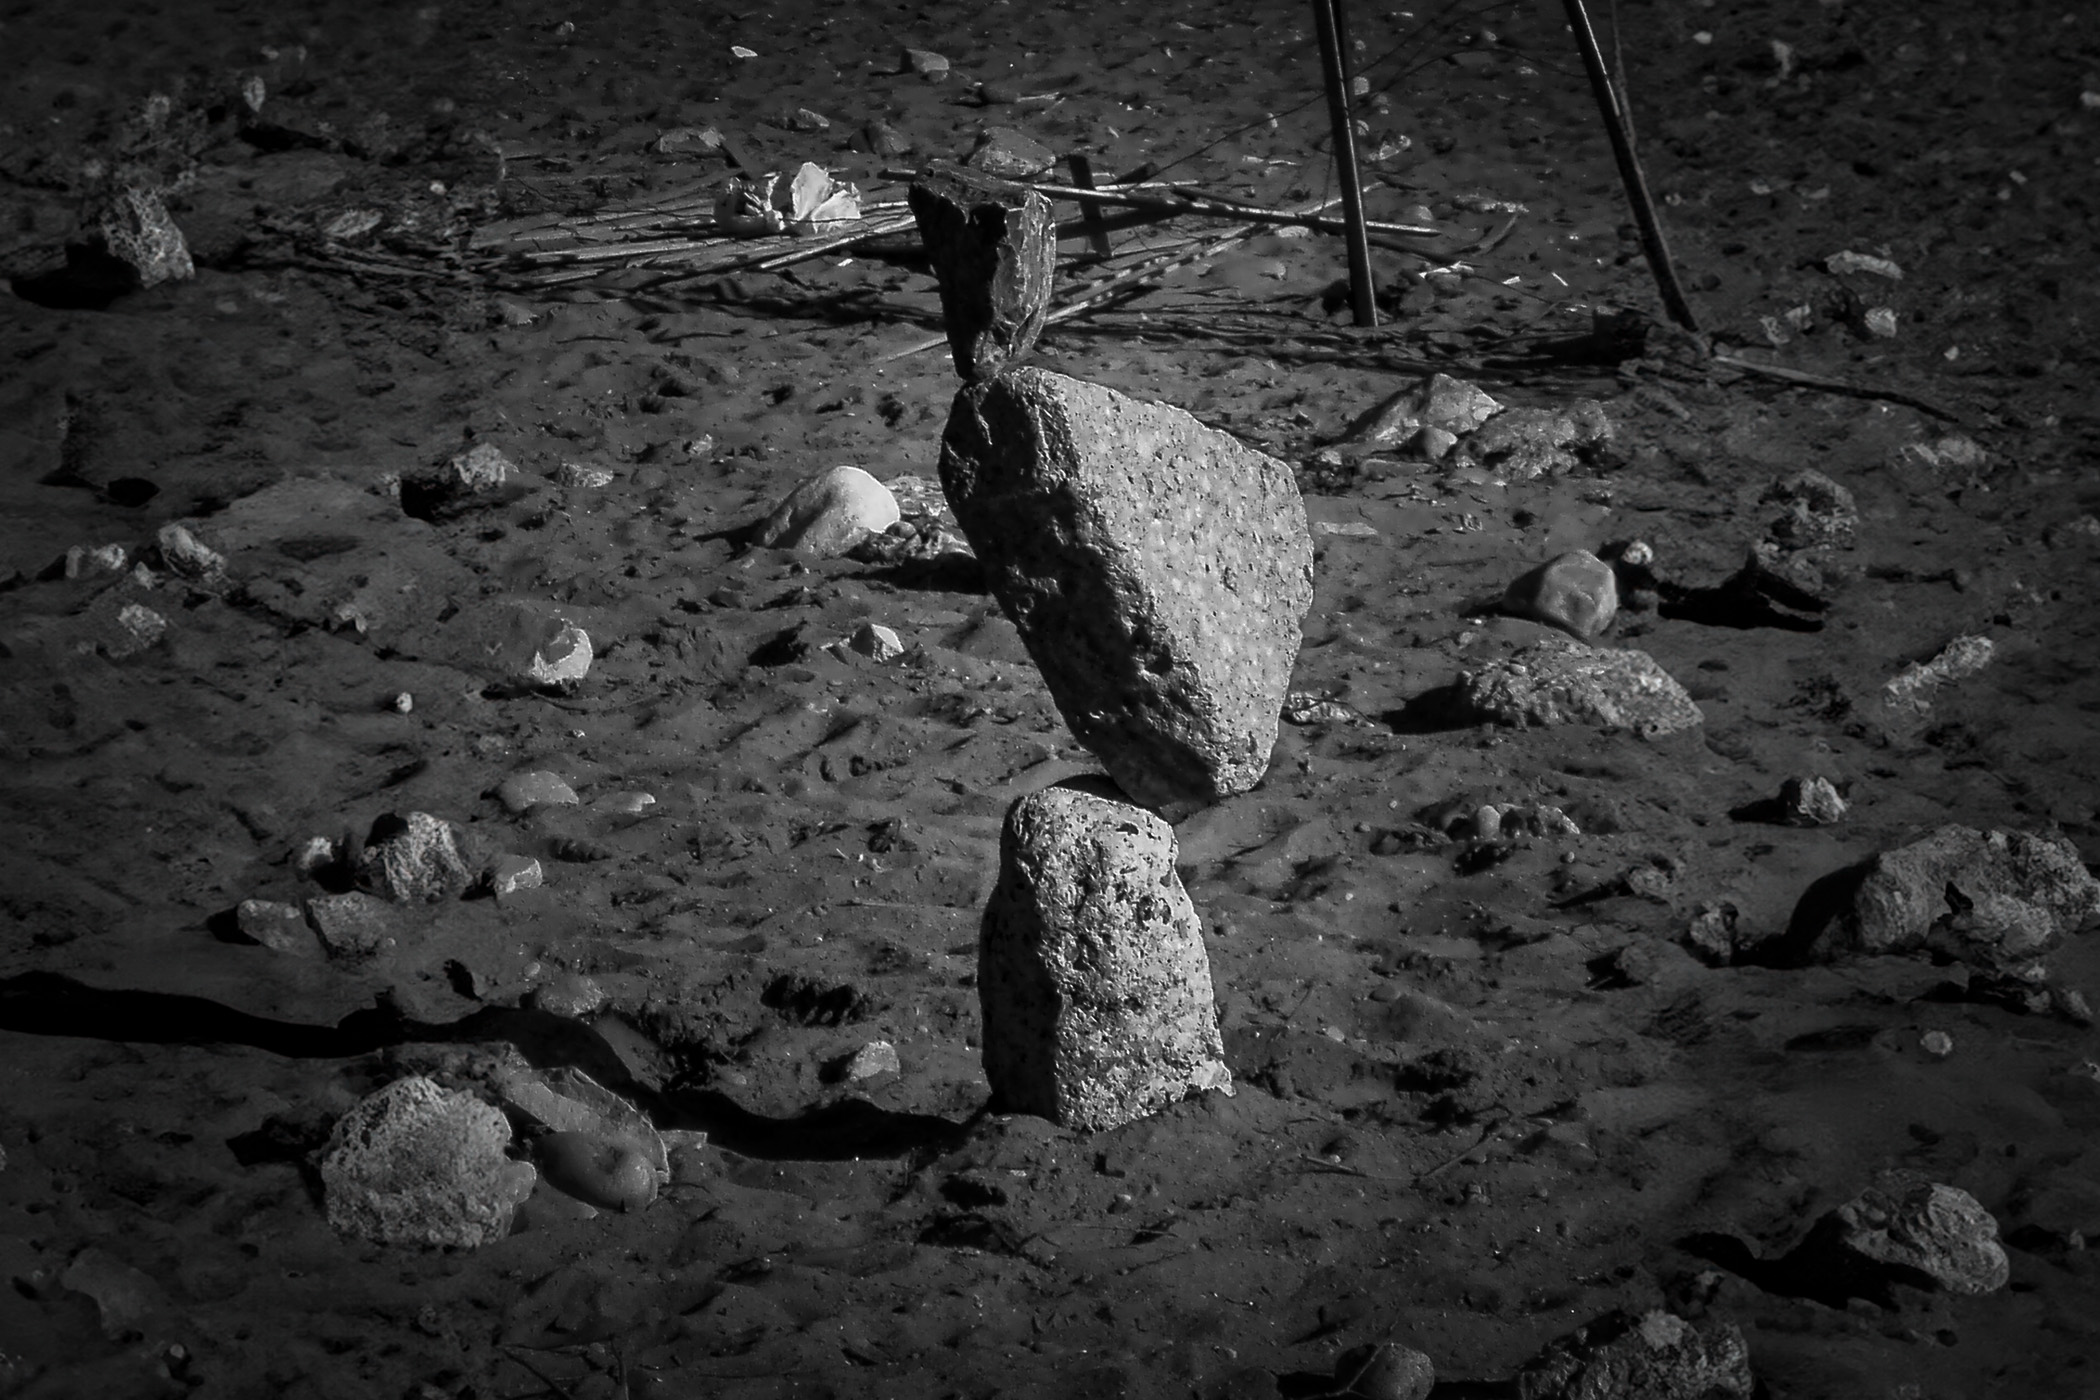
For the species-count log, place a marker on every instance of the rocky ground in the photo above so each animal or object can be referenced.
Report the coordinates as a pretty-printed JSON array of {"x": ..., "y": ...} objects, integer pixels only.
[{"x": 1620, "y": 1044}]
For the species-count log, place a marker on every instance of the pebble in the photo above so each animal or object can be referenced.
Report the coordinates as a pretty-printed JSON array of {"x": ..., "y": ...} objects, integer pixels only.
[
  {"x": 578, "y": 477},
  {"x": 875, "y": 1058},
  {"x": 1010, "y": 154},
  {"x": 403, "y": 703},
  {"x": 313, "y": 855},
  {"x": 1959, "y": 659},
  {"x": 624, "y": 804},
  {"x": 81, "y": 560},
  {"x": 521, "y": 792},
  {"x": 511, "y": 873},
  {"x": 1811, "y": 801},
  {"x": 417, "y": 858},
  {"x": 828, "y": 513},
  {"x": 569, "y": 994},
  {"x": 1937, "y": 1044},
  {"x": 564, "y": 660},
  {"x": 876, "y": 642},
  {"x": 1576, "y": 592},
  {"x": 927, "y": 64},
  {"x": 478, "y": 469},
  {"x": 603, "y": 1171},
  {"x": 351, "y": 925},
  {"x": 277, "y": 926},
  {"x": 187, "y": 556},
  {"x": 1818, "y": 511}
]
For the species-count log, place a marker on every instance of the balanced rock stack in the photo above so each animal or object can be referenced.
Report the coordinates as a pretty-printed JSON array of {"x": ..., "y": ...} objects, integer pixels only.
[
  {"x": 1158, "y": 572},
  {"x": 1091, "y": 970}
]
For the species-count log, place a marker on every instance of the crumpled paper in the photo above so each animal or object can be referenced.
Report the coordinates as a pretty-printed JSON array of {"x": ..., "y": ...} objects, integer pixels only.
[{"x": 808, "y": 203}]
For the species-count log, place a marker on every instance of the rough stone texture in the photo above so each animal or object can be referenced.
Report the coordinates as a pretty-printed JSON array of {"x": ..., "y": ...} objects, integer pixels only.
[
  {"x": 566, "y": 1100},
  {"x": 1655, "y": 1355},
  {"x": 1523, "y": 444},
  {"x": 186, "y": 555},
  {"x": 563, "y": 659},
  {"x": 1429, "y": 416},
  {"x": 1811, "y": 802},
  {"x": 277, "y": 926},
  {"x": 138, "y": 232},
  {"x": 1909, "y": 1230},
  {"x": 512, "y": 873},
  {"x": 876, "y": 642},
  {"x": 1959, "y": 659},
  {"x": 1091, "y": 970},
  {"x": 352, "y": 925},
  {"x": 1557, "y": 682},
  {"x": 1815, "y": 511},
  {"x": 1576, "y": 591},
  {"x": 1009, "y": 154},
  {"x": 418, "y": 858},
  {"x": 2028, "y": 890},
  {"x": 419, "y": 1164},
  {"x": 829, "y": 513},
  {"x": 1157, "y": 570},
  {"x": 993, "y": 246}
]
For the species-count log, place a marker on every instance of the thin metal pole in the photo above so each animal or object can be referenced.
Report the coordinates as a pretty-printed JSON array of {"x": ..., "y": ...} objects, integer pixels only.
[
  {"x": 1630, "y": 175},
  {"x": 1090, "y": 209},
  {"x": 1327, "y": 15}
]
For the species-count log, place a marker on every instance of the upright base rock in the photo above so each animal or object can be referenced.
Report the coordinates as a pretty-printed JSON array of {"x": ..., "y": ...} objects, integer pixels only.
[
  {"x": 1158, "y": 571},
  {"x": 993, "y": 246},
  {"x": 1091, "y": 969}
]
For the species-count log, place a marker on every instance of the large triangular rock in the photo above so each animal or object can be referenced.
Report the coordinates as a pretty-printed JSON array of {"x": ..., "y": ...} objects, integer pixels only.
[
  {"x": 1158, "y": 571},
  {"x": 1091, "y": 969},
  {"x": 993, "y": 246}
]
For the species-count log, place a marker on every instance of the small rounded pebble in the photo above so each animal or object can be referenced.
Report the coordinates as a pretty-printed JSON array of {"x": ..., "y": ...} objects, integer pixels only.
[
  {"x": 403, "y": 703},
  {"x": 599, "y": 1171},
  {"x": 1937, "y": 1044}
]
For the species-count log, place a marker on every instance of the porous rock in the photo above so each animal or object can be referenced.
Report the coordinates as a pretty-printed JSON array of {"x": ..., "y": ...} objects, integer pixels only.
[
  {"x": 277, "y": 926},
  {"x": 829, "y": 513},
  {"x": 1524, "y": 444},
  {"x": 1810, "y": 801},
  {"x": 1384, "y": 1371},
  {"x": 993, "y": 246},
  {"x": 416, "y": 1163},
  {"x": 1655, "y": 1355},
  {"x": 1814, "y": 511},
  {"x": 352, "y": 925},
  {"x": 1158, "y": 572},
  {"x": 1576, "y": 592},
  {"x": 1092, "y": 975},
  {"x": 137, "y": 230},
  {"x": 2029, "y": 890},
  {"x": 1907, "y": 1229},
  {"x": 418, "y": 858},
  {"x": 1010, "y": 154},
  {"x": 1559, "y": 682}
]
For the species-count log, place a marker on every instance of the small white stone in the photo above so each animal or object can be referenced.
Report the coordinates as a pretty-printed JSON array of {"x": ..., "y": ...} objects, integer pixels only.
[
  {"x": 565, "y": 659},
  {"x": 314, "y": 854},
  {"x": 403, "y": 702},
  {"x": 625, "y": 804},
  {"x": 511, "y": 873},
  {"x": 827, "y": 514},
  {"x": 877, "y": 642},
  {"x": 521, "y": 792},
  {"x": 876, "y": 1057},
  {"x": 577, "y": 476},
  {"x": 184, "y": 554},
  {"x": 145, "y": 625},
  {"x": 1937, "y": 1044}
]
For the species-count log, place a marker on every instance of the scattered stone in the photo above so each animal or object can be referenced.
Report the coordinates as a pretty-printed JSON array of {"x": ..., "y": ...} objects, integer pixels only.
[
  {"x": 1347, "y": 529},
  {"x": 1093, "y": 980},
  {"x": 481, "y": 468},
  {"x": 1312, "y": 707},
  {"x": 122, "y": 630},
  {"x": 877, "y": 1057},
  {"x": 579, "y": 477},
  {"x": 277, "y": 926},
  {"x": 1812, "y": 801},
  {"x": 1942, "y": 457},
  {"x": 1559, "y": 682},
  {"x": 1490, "y": 822},
  {"x": 828, "y": 513},
  {"x": 876, "y": 642},
  {"x": 1385, "y": 1371},
  {"x": 993, "y": 247},
  {"x": 563, "y": 659},
  {"x": 607, "y": 1172},
  {"x": 1428, "y": 416},
  {"x": 1837, "y": 264},
  {"x": 1655, "y": 1355},
  {"x": 1906, "y": 1229},
  {"x": 417, "y": 858},
  {"x": 1010, "y": 154},
  {"x": 927, "y": 64},
  {"x": 1576, "y": 591},
  {"x": 1880, "y": 322},
  {"x": 1817, "y": 511},
  {"x": 418, "y": 1164},
  {"x": 690, "y": 141},
  {"x": 1157, "y": 570},
  {"x": 1937, "y": 1044},
  {"x": 459, "y": 482},
  {"x": 2019, "y": 893},
  {"x": 1960, "y": 658},
  {"x": 402, "y": 703},
  {"x": 353, "y": 925},
  {"x": 83, "y": 562},
  {"x": 1524, "y": 444},
  {"x": 569, "y": 994},
  {"x": 806, "y": 120},
  {"x": 137, "y": 230},
  {"x": 1798, "y": 580},
  {"x": 511, "y": 873},
  {"x": 315, "y": 855},
  {"x": 627, "y": 803},
  {"x": 187, "y": 557},
  {"x": 566, "y": 1100},
  {"x": 885, "y": 140}
]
